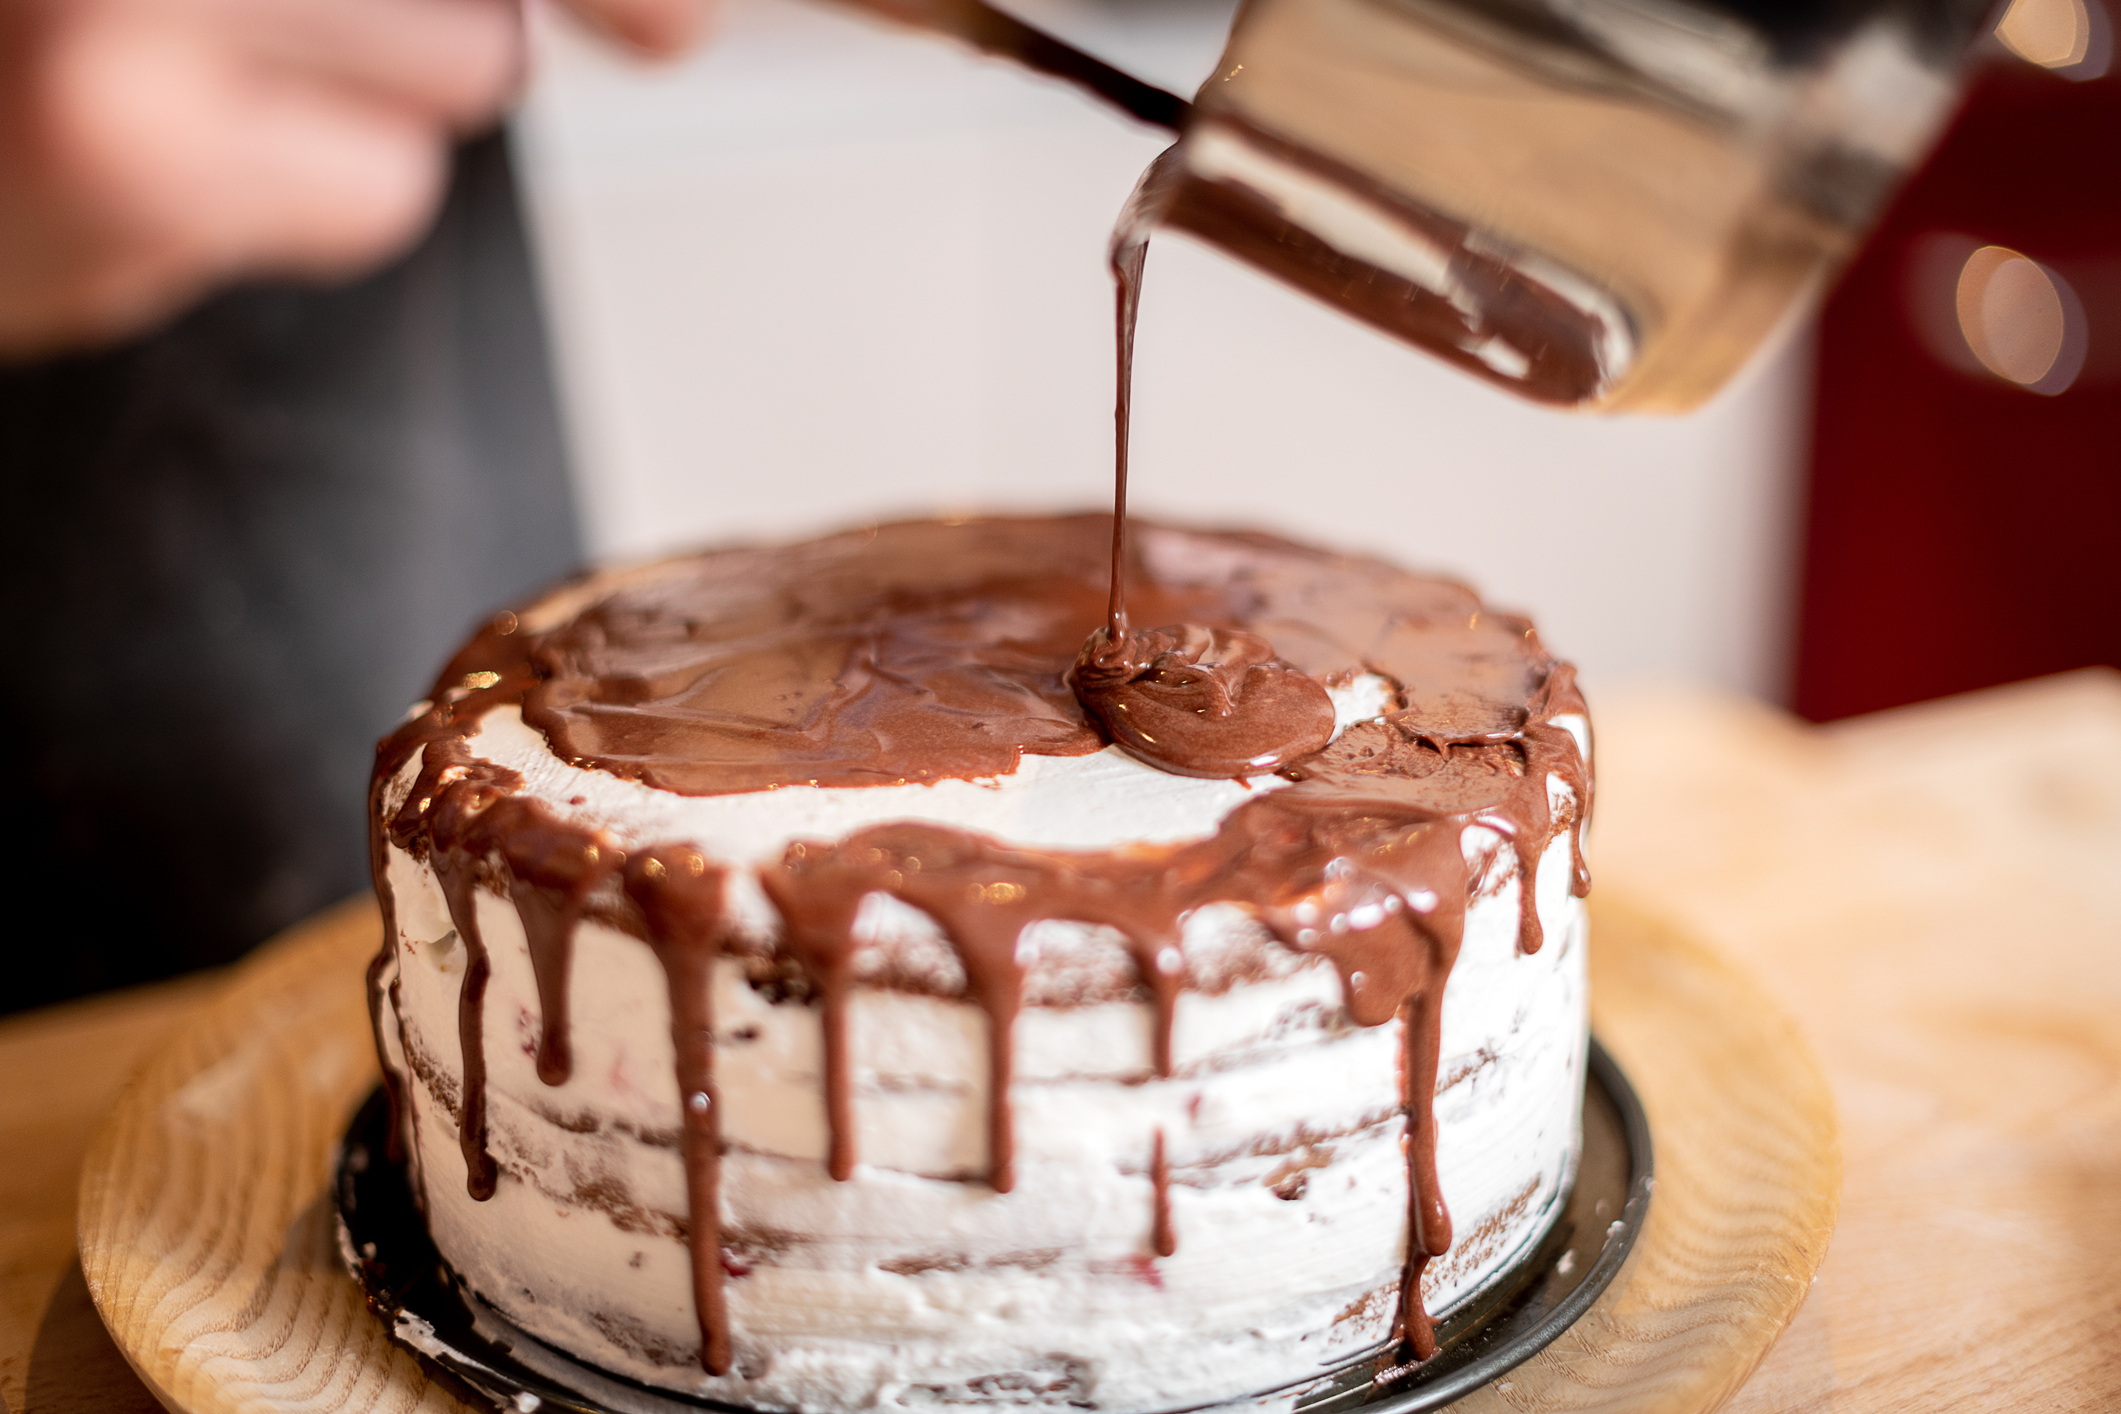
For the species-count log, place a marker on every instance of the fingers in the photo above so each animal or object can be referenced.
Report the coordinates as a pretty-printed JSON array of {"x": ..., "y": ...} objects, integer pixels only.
[
  {"x": 659, "y": 28},
  {"x": 321, "y": 183},
  {"x": 152, "y": 148},
  {"x": 164, "y": 156},
  {"x": 456, "y": 62}
]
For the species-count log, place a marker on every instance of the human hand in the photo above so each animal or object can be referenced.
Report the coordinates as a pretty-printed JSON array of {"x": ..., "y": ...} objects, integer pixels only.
[{"x": 152, "y": 149}]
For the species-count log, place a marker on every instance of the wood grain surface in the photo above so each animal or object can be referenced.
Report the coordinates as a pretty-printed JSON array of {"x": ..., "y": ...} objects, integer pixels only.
[
  {"x": 207, "y": 1234},
  {"x": 206, "y": 1230},
  {"x": 60, "y": 1070},
  {"x": 1748, "y": 1177},
  {"x": 1935, "y": 894}
]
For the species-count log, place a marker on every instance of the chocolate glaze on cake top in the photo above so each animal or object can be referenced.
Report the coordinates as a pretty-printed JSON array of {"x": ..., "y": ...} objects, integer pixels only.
[
  {"x": 933, "y": 649},
  {"x": 916, "y": 652}
]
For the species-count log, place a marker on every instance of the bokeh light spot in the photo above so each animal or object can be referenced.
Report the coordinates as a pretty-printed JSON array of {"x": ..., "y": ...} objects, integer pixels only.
[
  {"x": 2051, "y": 33},
  {"x": 2072, "y": 38},
  {"x": 2012, "y": 314}
]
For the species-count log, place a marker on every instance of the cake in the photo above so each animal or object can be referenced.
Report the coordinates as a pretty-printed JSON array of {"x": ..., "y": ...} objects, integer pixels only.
[{"x": 791, "y": 994}]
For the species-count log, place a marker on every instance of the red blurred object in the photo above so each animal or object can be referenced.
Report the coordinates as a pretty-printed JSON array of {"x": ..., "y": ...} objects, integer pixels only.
[{"x": 1964, "y": 531}]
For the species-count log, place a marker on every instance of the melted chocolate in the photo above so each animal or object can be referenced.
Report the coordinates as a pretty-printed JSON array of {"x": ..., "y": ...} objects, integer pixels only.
[
  {"x": 680, "y": 897},
  {"x": 1200, "y": 702},
  {"x": 873, "y": 658},
  {"x": 1162, "y": 1238},
  {"x": 1563, "y": 345},
  {"x": 553, "y": 869},
  {"x": 1185, "y": 697},
  {"x": 914, "y": 652}
]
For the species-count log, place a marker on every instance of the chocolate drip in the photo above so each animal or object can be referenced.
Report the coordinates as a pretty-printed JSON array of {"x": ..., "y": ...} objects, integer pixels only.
[
  {"x": 467, "y": 818},
  {"x": 384, "y": 963},
  {"x": 1357, "y": 859},
  {"x": 1559, "y": 696},
  {"x": 1428, "y": 1221},
  {"x": 984, "y": 899},
  {"x": 1544, "y": 756},
  {"x": 550, "y": 935},
  {"x": 817, "y": 928},
  {"x": 1162, "y": 1239},
  {"x": 554, "y": 869},
  {"x": 982, "y": 895},
  {"x": 1162, "y": 968},
  {"x": 1547, "y": 750},
  {"x": 481, "y": 1173},
  {"x": 1361, "y": 867},
  {"x": 463, "y": 809},
  {"x": 680, "y": 897}
]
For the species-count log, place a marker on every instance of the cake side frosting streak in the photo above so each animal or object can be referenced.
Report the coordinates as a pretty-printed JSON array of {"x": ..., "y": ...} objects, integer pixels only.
[{"x": 936, "y": 652}]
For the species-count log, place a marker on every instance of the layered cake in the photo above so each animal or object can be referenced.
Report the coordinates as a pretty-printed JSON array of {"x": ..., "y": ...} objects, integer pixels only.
[{"x": 815, "y": 979}]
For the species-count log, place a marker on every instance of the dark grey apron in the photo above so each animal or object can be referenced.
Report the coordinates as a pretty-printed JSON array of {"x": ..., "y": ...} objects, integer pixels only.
[{"x": 234, "y": 552}]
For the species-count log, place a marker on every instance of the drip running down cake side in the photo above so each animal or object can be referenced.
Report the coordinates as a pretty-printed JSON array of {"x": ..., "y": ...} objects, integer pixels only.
[{"x": 791, "y": 995}]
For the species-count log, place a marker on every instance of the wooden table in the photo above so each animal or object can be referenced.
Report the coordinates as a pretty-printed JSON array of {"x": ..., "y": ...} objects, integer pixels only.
[{"x": 1935, "y": 893}]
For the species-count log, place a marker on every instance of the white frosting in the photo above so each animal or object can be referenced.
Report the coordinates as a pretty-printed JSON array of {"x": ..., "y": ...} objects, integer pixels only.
[
  {"x": 1095, "y": 802},
  {"x": 914, "y": 1283}
]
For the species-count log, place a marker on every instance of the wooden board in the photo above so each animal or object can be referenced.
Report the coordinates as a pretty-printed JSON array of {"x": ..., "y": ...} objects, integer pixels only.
[
  {"x": 1935, "y": 894},
  {"x": 63, "y": 1067},
  {"x": 207, "y": 1238}
]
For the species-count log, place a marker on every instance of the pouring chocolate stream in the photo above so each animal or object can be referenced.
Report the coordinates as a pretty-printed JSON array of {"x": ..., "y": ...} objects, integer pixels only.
[{"x": 1186, "y": 698}]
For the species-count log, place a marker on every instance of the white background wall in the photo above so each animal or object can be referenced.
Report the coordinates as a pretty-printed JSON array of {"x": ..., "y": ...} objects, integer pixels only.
[{"x": 827, "y": 271}]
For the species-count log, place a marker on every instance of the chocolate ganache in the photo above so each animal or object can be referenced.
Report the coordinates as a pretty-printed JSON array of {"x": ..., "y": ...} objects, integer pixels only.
[{"x": 927, "y": 651}]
